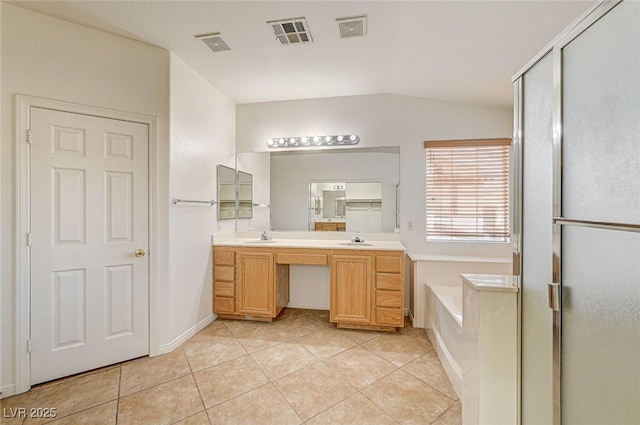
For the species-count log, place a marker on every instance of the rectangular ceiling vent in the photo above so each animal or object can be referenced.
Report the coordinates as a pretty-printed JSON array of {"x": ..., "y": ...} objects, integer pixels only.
[
  {"x": 291, "y": 31},
  {"x": 214, "y": 41},
  {"x": 352, "y": 27}
]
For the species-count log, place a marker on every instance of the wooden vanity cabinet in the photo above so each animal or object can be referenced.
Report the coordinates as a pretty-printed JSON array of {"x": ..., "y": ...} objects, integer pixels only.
[
  {"x": 351, "y": 288},
  {"x": 367, "y": 286},
  {"x": 255, "y": 283},
  {"x": 367, "y": 289},
  {"x": 224, "y": 280},
  {"x": 389, "y": 289},
  {"x": 248, "y": 284}
]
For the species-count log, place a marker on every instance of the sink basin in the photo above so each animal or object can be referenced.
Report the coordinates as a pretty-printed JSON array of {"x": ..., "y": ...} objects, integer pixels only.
[
  {"x": 355, "y": 244},
  {"x": 259, "y": 241}
]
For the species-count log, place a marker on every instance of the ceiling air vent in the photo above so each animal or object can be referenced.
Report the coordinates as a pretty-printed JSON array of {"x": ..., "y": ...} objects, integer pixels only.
[
  {"x": 352, "y": 27},
  {"x": 214, "y": 41},
  {"x": 291, "y": 31}
]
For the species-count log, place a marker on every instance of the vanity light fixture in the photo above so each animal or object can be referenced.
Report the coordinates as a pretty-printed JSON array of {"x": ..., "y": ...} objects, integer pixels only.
[{"x": 288, "y": 142}]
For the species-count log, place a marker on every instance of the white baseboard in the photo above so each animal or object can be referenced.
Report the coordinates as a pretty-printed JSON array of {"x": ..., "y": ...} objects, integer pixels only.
[
  {"x": 7, "y": 391},
  {"x": 180, "y": 339}
]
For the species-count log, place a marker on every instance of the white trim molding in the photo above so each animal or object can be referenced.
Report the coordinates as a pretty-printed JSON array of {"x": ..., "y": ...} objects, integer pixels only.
[
  {"x": 7, "y": 391},
  {"x": 23, "y": 105},
  {"x": 180, "y": 339}
]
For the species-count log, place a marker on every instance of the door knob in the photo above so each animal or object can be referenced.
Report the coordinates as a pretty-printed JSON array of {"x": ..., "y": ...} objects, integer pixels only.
[{"x": 139, "y": 253}]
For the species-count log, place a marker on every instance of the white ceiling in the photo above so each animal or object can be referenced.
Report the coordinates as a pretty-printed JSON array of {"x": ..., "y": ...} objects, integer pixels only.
[{"x": 450, "y": 50}]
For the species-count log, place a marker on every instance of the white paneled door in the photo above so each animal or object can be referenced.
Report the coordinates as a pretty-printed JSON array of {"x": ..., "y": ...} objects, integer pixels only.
[{"x": 89, "y": 233}]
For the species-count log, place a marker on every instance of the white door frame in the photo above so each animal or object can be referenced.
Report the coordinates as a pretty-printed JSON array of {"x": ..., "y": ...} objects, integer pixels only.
[{"x": 22, "y": 316}]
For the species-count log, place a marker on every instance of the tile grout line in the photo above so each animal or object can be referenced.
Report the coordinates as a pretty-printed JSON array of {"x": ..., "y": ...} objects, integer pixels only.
[
  {"x": 334, "y": 404},
  {"x": 427, "y": 383},
  {"x": 195, "y": 381},
  {"x": 379, "y": 407},
  {"x": 443, "y": 413},
  {"x": 155, "y": 385},
  {"x": 287, "y": 401},
  {"x": 118, "y": 397},
  {"x": 86, "y": 408},
  {"x": 236, "y": 396}
]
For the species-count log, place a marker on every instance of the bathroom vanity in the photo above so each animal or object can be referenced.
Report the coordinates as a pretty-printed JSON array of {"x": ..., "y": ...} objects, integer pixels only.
[{"x": 251, "y": 279}]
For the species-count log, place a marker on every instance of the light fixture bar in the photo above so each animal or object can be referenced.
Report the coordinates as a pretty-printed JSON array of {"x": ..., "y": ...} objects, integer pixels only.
[{"x": 310, "y": 141}]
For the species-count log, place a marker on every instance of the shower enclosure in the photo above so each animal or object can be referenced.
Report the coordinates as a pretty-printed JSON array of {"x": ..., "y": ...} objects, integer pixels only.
[{"x": 577, "y": 238}]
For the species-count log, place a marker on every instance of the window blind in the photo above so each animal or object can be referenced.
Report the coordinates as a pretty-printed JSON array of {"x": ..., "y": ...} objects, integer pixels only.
[{"x": 468, "y": 189}]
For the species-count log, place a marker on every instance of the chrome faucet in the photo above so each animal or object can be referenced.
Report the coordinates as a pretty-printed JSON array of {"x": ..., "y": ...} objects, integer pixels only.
[
  {"x": 264, "y": 236},
  {"x": 357, "y": 238}
]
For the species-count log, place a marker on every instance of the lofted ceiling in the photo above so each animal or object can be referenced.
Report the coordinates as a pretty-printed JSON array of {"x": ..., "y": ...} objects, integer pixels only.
[{"x": 449, "y": 50}]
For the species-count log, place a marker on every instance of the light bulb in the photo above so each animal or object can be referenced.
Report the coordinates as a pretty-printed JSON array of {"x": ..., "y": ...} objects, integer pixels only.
[
  {"x": 270, "y": 142},
  {"x": 292, "y": 140},
  {"x": 340, "y": 138},
  {"x": 317, "y": 140},
  {"x": 327, "y": 139},
  {"x": 305, "y": 141},
  {"x": 281, "y": 141},
  {"x": 353, "y": 137}
]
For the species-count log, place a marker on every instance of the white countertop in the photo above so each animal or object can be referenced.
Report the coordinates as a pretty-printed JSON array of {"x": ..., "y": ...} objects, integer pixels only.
[
  {"x": 490, "y": 282},
  {"x": 312, "y": 243}
]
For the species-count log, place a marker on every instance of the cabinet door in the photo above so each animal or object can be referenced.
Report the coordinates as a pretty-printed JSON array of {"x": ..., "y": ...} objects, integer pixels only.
[
  {"x": 255, "y": 283},
  {"x": 351, "y": 288}
]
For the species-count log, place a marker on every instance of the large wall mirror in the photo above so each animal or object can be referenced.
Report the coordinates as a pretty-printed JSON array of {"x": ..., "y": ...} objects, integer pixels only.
[{"x": 347, "y": 189}]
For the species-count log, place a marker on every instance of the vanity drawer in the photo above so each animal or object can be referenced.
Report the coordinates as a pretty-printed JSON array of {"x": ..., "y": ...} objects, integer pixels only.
[
  {"x": 223, "y": 257},
  {"x": 307, "y": 258},
  {"x": 227, "y": 273},
  {"x": 391, "y": 281},
  {"x": 224, "y": 304},
  {"x": 225, "y": 289},
  {"x": 389, "y": 316},
  {"x": 388, "y": 264},
  {"x": 388, "y": 298}
]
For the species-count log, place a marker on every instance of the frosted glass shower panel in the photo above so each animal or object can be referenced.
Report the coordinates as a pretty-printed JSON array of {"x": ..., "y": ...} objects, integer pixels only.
[
  {"x": 537, "y": 243},
  {"x": 601, "y": 119},
  {"x": 600, "y": 326}
]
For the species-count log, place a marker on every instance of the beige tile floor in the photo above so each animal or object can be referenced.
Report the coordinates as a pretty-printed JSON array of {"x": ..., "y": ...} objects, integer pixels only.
[{"x": 298, "y": 369}]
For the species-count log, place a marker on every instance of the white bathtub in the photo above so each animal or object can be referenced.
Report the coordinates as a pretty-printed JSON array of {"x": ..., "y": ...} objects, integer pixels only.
[{"x": 445, "y": 329}]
